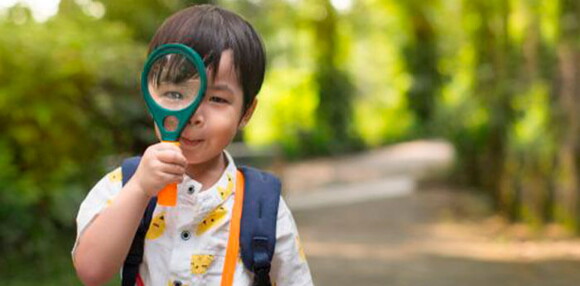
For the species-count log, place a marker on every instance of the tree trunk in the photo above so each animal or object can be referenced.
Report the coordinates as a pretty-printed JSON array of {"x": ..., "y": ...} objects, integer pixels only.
[
  {"x": 567, "y": 180},
  {"x": 421, "y": 58},
  {"x": 335, "y": 92}
]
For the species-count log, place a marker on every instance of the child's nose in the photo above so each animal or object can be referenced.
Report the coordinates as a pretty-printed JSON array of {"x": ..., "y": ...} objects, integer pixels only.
[{"x": 197, "y": 118}]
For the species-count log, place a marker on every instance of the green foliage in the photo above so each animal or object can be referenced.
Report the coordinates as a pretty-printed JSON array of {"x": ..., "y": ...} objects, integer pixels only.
[
  {"x": 61, "y": 99},
  {"x": 502, "y": 108},
  {"x": 144, "y": 20},
  {"x": 353, "y": 75},
  {"x": 286, "y": 109}
]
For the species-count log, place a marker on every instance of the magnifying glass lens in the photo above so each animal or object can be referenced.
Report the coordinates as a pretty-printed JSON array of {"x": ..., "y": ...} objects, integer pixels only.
[{"x": 173, "y": 82}]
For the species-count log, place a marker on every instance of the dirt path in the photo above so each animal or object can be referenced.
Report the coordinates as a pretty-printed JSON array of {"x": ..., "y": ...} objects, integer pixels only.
[
  {"x": 413, "y": 240},
  {"x": 427, "y": 236}
]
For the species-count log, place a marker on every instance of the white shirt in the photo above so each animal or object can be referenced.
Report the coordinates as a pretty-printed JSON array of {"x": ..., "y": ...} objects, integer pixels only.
[{"x": 186, "y": 244}]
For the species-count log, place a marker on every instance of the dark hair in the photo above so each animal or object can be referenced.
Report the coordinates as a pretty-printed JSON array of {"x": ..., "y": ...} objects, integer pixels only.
[{"x": 210, "y": 30}]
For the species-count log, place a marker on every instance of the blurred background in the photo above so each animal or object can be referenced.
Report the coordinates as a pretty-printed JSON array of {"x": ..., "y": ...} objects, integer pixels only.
[{"x": 419, "y": 142}]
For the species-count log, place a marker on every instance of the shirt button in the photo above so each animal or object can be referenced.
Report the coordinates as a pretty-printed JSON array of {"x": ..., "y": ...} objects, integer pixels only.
[
  {"x": 191, "y": 190},
  {"x": 185, "y": 235},
  {"x": 177, "y": 283}
]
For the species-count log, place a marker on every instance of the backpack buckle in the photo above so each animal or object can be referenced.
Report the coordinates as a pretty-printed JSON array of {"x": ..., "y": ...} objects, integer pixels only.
[
  {"x": 262, "y": 277},
  {"x": 261, "y": 261}
]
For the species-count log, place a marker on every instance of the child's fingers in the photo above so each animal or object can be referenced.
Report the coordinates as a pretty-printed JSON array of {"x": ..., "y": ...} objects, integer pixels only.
[
  {"x": 154, "y": 149},
  {"x": 173, "y": 169},
  {"x": 172, "y": 157},
  {"x": 171, "y": 178},
  {"x": 166, "y": 179},
  {"x": 167, "y": 146}
]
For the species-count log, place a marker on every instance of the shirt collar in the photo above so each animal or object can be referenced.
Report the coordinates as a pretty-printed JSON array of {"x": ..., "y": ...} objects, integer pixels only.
[{"x": 199, "y": 204}]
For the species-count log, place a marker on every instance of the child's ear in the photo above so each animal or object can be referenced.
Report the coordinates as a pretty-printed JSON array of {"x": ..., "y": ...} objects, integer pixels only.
[{"x": 248, "y": 114}]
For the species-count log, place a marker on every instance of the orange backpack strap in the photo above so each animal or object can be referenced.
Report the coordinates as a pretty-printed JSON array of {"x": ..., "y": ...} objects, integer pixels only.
[{"x": 234, "y": 239}]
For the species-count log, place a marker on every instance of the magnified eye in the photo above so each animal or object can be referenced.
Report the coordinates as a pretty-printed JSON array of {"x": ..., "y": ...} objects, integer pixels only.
[{"x": 173, "y": 95}]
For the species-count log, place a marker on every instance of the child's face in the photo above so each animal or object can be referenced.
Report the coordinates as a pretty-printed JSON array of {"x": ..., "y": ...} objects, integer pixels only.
[{"x": 218, "y": 117}]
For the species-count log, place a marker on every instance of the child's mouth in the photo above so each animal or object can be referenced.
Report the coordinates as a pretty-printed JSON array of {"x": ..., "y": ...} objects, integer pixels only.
[{"x": 188, "y": 142}]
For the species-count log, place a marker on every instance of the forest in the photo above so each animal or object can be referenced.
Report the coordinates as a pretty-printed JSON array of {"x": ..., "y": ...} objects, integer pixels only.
[{"x": 499, "y": 80}]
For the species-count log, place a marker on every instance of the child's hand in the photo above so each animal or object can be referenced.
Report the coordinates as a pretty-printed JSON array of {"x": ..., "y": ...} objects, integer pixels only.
[{"x": 161, "y": 164}]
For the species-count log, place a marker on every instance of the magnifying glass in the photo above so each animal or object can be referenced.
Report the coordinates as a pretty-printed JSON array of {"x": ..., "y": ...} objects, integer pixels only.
[{"x": 173, "y": 84}]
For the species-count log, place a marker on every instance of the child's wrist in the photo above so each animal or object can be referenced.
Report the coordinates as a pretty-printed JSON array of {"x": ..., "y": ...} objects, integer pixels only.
[{"x": 140, "y": 190}]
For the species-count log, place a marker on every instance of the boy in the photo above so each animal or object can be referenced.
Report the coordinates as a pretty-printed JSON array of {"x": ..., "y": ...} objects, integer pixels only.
[{"x": 179, "y": 248}]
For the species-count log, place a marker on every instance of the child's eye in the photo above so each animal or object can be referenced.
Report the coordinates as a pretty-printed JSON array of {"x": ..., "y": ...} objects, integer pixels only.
[
  {"x": 173, "y": 95},
  {"x": 218, "y": 99}
]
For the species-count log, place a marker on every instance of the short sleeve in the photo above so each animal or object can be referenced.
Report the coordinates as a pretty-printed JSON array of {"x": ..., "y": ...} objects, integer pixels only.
[
  {"x": 289, "y": 265},
  {"x": 99, "y": 197}
]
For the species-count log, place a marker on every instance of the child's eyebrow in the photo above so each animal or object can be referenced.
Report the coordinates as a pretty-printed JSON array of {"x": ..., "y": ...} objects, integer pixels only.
[{"x": 222, "y": 87}]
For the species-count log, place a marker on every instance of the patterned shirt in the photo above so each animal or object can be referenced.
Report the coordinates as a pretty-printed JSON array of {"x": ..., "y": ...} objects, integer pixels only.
[{"x": 186, "y": 244}]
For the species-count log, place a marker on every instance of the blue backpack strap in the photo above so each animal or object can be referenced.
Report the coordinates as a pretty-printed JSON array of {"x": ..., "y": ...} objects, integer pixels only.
[
  {"x": 258, "y": 225},
  {"x": 135, "y": 255}
]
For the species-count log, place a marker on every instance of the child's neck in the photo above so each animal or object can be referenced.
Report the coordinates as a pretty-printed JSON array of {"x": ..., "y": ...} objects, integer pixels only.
[{"x": 209, "y": 172}]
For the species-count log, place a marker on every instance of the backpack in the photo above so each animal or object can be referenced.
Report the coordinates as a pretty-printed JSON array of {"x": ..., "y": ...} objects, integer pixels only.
[{"x": 257, "y": 225}]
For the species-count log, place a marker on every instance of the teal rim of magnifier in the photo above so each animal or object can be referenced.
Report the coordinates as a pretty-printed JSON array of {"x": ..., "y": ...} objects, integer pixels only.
[{"x": 158, "y": 112}]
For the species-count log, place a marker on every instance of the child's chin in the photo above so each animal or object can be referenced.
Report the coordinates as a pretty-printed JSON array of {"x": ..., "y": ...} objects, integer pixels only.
[
  {"x": 196, "y": 159},
  {"x": 193, "y": 160}
]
